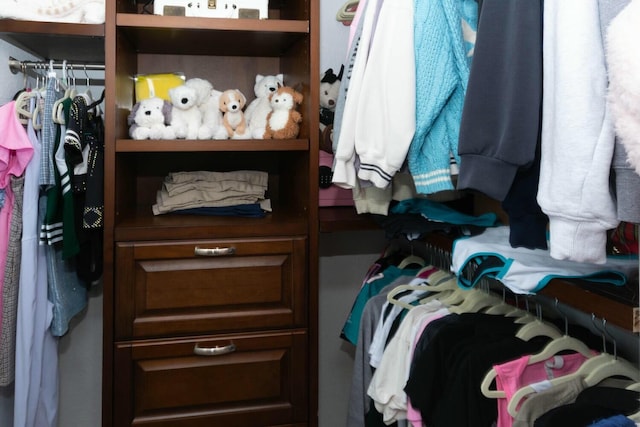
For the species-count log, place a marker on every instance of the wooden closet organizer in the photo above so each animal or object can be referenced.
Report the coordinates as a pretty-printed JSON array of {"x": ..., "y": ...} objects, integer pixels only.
[
  {"x": 150, "y": 372},
  {"x": 191, "y": 339}
]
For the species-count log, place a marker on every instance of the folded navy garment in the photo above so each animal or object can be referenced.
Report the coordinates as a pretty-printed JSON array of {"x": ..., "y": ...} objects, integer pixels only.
[{"x": 252, "y": 210}]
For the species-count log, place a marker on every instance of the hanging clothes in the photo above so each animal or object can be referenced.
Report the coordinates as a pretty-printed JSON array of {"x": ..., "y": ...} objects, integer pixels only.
[
  {"x": 15, "y": 154},
  {"x": 36, "y": 382},
  {"x": 577, "y": 133},
  {"x": 442, "y": 60},
  {"x": 10, "y": 291},
  {"x": 84, "y": 150}
]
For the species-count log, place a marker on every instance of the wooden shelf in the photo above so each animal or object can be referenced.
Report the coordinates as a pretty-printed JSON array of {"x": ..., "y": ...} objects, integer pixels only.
[
  {"x": 586, "y": 298},
  {"x": 176, "y": 226},
  {"x": 211, "y": 36},
  {"x": 159, "y": 146},
  {"x": 53, "y": 40},
  {"x": 618, "y": 308},
  {"x": 344, "y": 218}
]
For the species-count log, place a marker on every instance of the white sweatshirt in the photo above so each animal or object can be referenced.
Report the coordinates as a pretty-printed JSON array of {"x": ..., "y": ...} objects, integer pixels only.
[
  {"x": 577, "y": 133},
  {"x": 344, "y": 168},
  {"x": 378, "y": 121},
  {"x": 386, "y": 117}
]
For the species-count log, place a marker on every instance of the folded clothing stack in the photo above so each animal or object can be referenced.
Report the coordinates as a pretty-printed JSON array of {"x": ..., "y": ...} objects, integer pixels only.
[{"x": 236, "y": 193}]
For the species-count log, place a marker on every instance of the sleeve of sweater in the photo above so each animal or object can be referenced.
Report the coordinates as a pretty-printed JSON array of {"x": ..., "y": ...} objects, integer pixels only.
[
  {"x": 385, "y": 120},
  {"x": 501, "y": 115},
  {"x": 577, "y": 138},
  {"x": 441, "y": 77}
]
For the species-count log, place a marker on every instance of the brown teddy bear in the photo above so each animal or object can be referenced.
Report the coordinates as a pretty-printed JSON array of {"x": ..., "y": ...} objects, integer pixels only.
[{"x": 283, "y": 121}]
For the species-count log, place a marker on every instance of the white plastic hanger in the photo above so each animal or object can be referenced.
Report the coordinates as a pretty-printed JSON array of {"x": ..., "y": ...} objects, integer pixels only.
[
  {"x": 506, "y": 309},
  {"x": 23, "y": 110},
  {"x": 634, "y": 387},
  {"x": 70, "y": 92},
  {"x": 457, "y": 296},
  {"x": 555, "y": 346},
  {"x": 474, "y": 301},
  {"x": 411, "y": 259},
  {"x": 347, "y": 11},
  {"x": 440, "y": 285},
  {"x": 36, "y": 118},
  {"x": 593, "y": 371},
  {"x": 534, "y": 326},
  {"x": 538, "y": 328}
]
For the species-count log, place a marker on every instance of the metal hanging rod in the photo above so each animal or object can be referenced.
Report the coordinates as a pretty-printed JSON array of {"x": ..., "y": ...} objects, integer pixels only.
[
  {"x": 17, "y": 66},
  {"x": 31, "y": 68}
]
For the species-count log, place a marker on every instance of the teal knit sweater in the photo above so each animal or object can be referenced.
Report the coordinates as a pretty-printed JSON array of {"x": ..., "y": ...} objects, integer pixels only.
[{"x": 443, "y": 59}]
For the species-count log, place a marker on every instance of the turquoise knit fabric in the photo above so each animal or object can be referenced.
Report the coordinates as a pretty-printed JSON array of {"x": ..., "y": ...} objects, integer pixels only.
[{"x": 443, "y": 60}]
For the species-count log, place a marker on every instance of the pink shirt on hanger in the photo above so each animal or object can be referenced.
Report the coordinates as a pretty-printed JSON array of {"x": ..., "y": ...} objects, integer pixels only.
[
  {"x": 513, "y": 375},
  {"x": 15, "y": 153}
]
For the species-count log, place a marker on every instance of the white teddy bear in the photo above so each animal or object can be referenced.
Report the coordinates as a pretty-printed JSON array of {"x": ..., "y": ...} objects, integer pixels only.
[
  {"x": 149, "y": 118},
  {"x": 208, "y": 103},
  {"x": 186, "y": 118},
  {"x": 258, "y": 109}
]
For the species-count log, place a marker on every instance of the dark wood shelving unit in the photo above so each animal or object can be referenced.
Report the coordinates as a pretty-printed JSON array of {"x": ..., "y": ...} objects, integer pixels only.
[
  {"x": 600, "y": 300},
  {"x": 229, "y": 37},
  {"x": 49, "y": 40},
  {"x": 344, "y": 218},
  {"x": 158, "y": 146}
]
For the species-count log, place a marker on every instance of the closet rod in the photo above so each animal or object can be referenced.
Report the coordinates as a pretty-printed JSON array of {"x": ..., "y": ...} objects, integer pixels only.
[
  {"x": 17, "y": 66},
  {"x": 28, "y": 67}
]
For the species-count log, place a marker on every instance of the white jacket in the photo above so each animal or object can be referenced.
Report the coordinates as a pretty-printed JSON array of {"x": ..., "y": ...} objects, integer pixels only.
[
  {"x": 577, "y": 133},
  {"x": 379, "y": 114}
]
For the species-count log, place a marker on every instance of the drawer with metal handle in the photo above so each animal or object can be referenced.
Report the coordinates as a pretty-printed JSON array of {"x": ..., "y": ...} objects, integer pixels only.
[{"x": 178, "y": 288}]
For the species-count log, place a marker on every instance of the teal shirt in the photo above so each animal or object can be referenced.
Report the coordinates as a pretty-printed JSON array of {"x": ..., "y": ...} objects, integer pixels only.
[{"x": 368, "y": 290}]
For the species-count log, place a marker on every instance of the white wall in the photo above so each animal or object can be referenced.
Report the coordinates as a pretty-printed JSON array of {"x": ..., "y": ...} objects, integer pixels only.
[
  {"x": 345, "y": 257},
  {"x": 333, "y": 36},
  {"x": 11, "y": 83}
]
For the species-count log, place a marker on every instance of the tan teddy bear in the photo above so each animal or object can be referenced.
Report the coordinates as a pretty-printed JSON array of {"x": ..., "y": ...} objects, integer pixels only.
[
  {"x": 283, "y": 122},
  {"x": 232, "y": 102}
]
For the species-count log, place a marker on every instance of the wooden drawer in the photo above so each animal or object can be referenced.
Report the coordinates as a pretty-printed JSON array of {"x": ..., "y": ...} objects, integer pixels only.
[
  {"x": 263, "y": 382},
  {"x": 163, "y": 289}
]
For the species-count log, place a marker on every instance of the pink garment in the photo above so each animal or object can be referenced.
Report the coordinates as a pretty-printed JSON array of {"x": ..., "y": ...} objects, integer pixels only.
[
  {"x": 15, "y": 153},
  {"x": 513, "y": 375}
]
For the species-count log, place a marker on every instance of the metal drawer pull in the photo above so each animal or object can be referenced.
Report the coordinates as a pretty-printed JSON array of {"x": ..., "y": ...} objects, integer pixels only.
[
  {"x": 214, "y": 251},
  {"x": 214, "y": 351}
]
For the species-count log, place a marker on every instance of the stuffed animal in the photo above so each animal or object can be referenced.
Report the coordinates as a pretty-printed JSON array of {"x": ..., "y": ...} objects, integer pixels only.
[
  {"x": 185, "y": 115},
  {"x": 149, "y": 118},
  {"x": 208, "y": 104},
  {"x": 257, "y": 110},
  {"x": 284, "y": 120},
  {"x": 329, "y": 89},
  {"x": 232, "y": 102}
]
